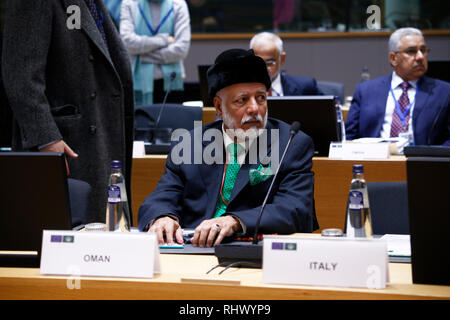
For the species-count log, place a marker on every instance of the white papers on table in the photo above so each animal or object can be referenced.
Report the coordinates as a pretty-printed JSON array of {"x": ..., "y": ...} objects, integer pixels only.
[{"x": 398, "y": 244}]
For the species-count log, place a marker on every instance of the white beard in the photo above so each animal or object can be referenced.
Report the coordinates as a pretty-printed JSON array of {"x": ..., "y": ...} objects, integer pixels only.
[{"x": 241, "y": 134}]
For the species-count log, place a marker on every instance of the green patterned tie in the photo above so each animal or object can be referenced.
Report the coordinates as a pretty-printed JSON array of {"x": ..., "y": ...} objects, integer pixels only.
[{"x": 230, "y": 178}]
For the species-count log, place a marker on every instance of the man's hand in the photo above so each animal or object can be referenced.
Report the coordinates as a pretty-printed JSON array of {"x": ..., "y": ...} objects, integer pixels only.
[
  {"x": 211, "y": 232},
  {"x": 167, "y": 228},
  {"x": 60, "y": 146}
]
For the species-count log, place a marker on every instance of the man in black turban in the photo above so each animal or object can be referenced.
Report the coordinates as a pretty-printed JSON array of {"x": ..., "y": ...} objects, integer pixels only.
[{"x": 221, "y": 199}]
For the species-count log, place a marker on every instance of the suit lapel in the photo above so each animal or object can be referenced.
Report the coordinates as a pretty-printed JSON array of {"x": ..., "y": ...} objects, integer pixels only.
[
  {"x": 381, "y": 102},
  {"x": 288, "y": 90},
  {"x": 243, "y": 176},
  {"x": 89, "y": 26},
  {"x": 423, "y": 93},
  {"x": 212, "y": 174}
]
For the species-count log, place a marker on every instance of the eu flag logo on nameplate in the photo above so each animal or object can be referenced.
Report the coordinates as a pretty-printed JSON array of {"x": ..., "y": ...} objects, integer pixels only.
[
  {"x": 290, "y": 246},
  {"x": 68, "y": 239}
]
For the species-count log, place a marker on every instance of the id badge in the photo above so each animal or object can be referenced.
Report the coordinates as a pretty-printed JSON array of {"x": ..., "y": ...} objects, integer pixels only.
[{"x": 406, "y": 135}]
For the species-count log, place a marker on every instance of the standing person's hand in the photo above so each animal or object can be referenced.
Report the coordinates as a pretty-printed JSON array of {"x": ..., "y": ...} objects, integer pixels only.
[{"x": 60, "y": 146}]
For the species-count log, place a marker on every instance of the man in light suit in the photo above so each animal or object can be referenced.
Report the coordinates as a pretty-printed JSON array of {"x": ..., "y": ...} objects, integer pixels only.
[
  {"x": 406, "y": 103},
  {"x": 269, "y": 47},
  {"x": 201, "y": 196},
  {"x": 67, "y": 77}
]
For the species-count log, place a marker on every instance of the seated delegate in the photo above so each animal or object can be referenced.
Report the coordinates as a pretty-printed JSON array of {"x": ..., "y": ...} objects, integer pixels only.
[
  {"x": 222, "y": 198},
  {"x": 406, "y": 103}
]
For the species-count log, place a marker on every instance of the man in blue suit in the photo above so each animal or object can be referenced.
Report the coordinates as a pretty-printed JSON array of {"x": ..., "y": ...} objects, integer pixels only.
[
  {"x": 223, "y": 198},
  {"x": 406, "y": 103},
  {"x": 269, "y": 47}
]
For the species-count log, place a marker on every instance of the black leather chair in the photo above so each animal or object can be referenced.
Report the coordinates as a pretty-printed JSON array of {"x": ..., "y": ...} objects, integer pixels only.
[
  {"x": 79, "y": 194},
  {"x": 332, "y": 89},
  {"x": 388, "y": 207}
]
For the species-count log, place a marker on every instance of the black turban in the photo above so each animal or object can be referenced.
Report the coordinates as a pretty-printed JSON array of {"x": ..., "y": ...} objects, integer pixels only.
[{"x": 236, "y": 66}]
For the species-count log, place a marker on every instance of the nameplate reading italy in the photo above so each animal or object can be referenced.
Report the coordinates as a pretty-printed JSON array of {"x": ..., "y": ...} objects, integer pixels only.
[
  {"x": 109, "y": 254},
  {"x": 323, "y": 261}
]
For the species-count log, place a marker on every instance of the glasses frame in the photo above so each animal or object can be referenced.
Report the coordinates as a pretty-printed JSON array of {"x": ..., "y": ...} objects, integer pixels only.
[{"x": 412, "y": 52}]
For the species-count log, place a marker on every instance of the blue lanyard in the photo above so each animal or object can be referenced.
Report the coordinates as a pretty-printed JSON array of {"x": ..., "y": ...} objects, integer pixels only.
[
  {"x": 154, "y": 32},
  {"x": 276, "y": 92},
  {"x": 402, "y": 115}
]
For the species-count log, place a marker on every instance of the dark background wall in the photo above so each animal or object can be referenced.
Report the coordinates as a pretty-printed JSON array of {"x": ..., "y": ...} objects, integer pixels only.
[{"x": 338, "y": 59}]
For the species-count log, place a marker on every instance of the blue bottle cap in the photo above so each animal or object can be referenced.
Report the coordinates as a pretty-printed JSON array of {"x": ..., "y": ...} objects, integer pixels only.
[
  {"x": 116, "y": 164},
  {"x": 358, "y": 168}
]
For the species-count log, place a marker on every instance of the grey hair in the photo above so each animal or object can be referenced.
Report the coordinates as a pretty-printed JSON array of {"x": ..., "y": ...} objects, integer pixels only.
[
  {"x": 394, "y": 39},
  {"x": 263, "y": 37}
]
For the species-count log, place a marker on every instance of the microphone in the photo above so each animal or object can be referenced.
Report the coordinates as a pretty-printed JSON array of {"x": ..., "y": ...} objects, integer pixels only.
[
  {"x": 244, "y": 253},
  {"x": 172, "y": 77},
  {"x": 160, "y": 140},
  {"x": 294, "y": 129}
]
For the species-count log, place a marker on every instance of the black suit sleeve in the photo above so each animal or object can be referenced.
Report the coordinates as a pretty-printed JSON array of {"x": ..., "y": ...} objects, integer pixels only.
[{"x": 165, "y": 199}]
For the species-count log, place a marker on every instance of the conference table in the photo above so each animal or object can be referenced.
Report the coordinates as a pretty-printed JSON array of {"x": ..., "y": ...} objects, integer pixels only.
[
  {"x": 332, "y": 182},
  {"x": 332, "y": 179},
  {"x": 184, "y": 277}
]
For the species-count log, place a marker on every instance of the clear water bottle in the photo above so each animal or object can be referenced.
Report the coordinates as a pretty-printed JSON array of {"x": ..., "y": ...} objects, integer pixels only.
[
  {"x": 117, "y": 210},
  {"x": 365, "y": 75},
  {"x": 359, "y": 223}
]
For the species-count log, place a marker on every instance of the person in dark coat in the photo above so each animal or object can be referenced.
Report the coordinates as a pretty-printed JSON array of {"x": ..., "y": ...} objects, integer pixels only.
[
  {"x": 68, "y": 79},
  {"x": 5, "y": 110}
]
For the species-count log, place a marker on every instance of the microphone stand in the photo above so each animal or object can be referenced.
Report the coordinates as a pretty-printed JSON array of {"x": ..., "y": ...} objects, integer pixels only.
[
  {"x": 161, "y": 147},
  {"x": 244, "y": 253}
]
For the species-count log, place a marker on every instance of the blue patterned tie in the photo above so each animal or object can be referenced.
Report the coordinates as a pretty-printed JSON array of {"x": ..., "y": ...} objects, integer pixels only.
[{"x": 98, "y": 17}]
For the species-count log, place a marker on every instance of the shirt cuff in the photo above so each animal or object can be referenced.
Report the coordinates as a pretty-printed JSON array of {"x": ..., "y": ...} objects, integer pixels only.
[
  {"x": 243, "y": 226},
  {"x": 47, "y": 144}
]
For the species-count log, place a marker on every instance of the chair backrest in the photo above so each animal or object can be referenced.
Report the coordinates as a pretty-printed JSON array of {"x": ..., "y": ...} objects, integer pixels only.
[
  {"x": 388, "y": 207},
  {"x": 174, "y": 116},
  {"x": 79, "y": 195},
  {"x": 332, "y": 88}
]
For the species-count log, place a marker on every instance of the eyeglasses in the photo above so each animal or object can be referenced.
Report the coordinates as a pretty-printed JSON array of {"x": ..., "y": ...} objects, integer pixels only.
[
  {"x": 270, "y": 63},
  {"x": 413, "y": 51}
]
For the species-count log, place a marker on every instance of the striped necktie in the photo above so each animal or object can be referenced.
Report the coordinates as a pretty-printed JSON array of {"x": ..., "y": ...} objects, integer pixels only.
[
  {"x": 231, "y": 173},
  {"x": 98, "y": 17},
  {"x": 403, "y": 102}
]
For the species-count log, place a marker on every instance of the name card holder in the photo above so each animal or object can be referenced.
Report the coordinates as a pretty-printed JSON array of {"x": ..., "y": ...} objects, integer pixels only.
[
  {"x": 339, "y": 262},
  {"x": 109, "y": 254},
  {"x": 358, "y": 151}
]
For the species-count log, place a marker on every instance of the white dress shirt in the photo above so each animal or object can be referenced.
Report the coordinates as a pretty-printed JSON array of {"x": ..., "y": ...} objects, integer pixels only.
[
  {"x": 227, "y": 140},
  {"x": 277, "y": 88}
]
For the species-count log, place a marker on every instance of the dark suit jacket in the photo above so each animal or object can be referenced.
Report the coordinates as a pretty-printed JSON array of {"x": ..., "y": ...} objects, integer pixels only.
[
  {"x": 299, "y": 86},
  {"x": 67, "y": 84},
  {"x": 431, "y": 114},
  {"x": 5, "y": 110},
  {"x": 190, "y": 191}
]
